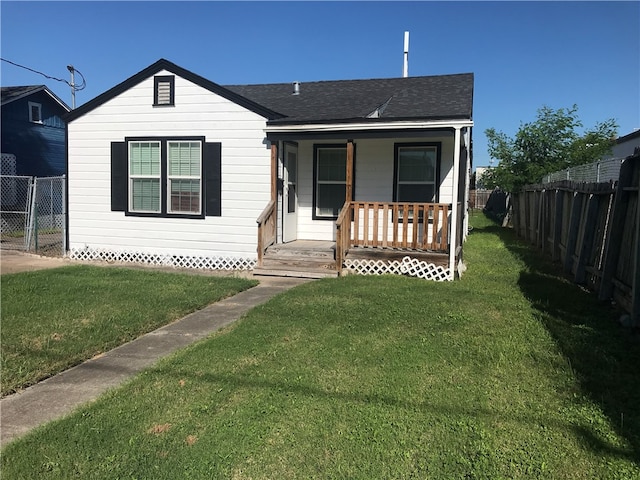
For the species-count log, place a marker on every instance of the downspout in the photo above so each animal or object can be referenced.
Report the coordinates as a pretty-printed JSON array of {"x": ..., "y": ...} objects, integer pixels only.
[{"x": 453, "y": 241}]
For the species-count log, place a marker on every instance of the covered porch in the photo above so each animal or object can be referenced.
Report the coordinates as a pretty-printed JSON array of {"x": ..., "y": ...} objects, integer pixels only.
[{"x": 398, "y": 217}]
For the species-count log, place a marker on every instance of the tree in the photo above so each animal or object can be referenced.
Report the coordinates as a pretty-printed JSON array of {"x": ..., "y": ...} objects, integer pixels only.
[{"x": 549, "y": 144}]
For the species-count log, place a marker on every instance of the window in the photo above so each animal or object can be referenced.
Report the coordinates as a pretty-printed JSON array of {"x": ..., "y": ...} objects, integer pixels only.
[
  {"x": 184, "y": 177},
  {"x": 35, "y": 112},
  {"x": 168, "y": 177},
  {"x": 292, "y": 180},
  {"x": 330, "y": 171},
  {"x": 144, "y": 172},
  {"x": 416, "y": 172},
  {"x": 164, "y": 90}
]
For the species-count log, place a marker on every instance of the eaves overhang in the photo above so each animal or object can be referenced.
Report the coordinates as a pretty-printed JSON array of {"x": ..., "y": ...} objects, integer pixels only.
[
  {"x": 165, "y": 65},
  {"x": 404, "y": 129}
]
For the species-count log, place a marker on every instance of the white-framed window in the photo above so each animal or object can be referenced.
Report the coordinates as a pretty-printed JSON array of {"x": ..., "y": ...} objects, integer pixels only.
[
  {"x": 184, "y": 176},
  {"x": 330, "y": 172},
  {"x": 416, "y": 173},
  {"x": 144, "y": 176},
  {"x": 169, "y": 168},
  {"x": 35, "y": 112}
]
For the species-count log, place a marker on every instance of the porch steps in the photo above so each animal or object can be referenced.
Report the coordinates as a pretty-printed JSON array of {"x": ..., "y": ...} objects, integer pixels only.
[{"x": 301, "y": 258}]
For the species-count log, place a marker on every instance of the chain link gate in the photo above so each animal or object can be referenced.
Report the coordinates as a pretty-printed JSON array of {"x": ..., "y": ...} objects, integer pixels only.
[
  {"x": 15, "y": 202},
  {"x": 33, "y": 214},
  {"x": 46, "y": 234}
]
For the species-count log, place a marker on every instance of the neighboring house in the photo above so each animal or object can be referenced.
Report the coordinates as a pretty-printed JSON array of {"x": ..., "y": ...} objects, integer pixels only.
[
  {"x": 170, "y": 168},
  {"x": 479, "y": 181},
  {"x": 625, "y": 146},
  {"x": 33, "y": 131}
]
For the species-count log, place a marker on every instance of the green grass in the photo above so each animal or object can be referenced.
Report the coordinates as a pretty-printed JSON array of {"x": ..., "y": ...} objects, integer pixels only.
[
  {"x": 511, "y": 372},
  {"x": 53, "y": 319}
]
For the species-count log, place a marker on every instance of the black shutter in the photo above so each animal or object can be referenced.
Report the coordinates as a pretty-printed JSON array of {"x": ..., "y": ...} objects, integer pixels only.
[
  {"x": 212, "y": 179},
  {"x": 119, "y": 176}
]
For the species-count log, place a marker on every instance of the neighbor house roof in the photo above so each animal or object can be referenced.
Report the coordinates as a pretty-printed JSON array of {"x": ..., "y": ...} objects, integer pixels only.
[
  {"x": 11, "y": 94},
  {"x": 438, "y": 97},
  {"x": 628, "y": 136}
]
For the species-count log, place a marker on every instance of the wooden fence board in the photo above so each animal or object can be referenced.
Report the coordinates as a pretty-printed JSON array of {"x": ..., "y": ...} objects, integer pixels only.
[
  {"x": 574, "y": 227},
  {"x": 557, "y": 225},
  {"x": 615, "y": 232},
  {"x": 586, "y": 245}
]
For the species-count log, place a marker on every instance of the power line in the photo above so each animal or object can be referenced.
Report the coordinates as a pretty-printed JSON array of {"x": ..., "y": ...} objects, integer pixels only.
[{"x": 75, "y": 87}]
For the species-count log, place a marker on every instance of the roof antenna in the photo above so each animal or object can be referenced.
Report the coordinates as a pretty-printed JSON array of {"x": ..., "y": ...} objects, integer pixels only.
[{"x": 405, "y": 67}]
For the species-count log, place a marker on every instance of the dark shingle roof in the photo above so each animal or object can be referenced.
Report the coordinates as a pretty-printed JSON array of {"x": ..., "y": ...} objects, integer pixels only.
[
  {"x": 428, "y": 98},
  {"x": 11, "y": 94}
]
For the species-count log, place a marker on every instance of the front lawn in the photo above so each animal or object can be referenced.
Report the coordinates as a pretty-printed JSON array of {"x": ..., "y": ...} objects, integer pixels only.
[
  {"x": 53, "y": 319},
  {"x": 377, "y": 377}
]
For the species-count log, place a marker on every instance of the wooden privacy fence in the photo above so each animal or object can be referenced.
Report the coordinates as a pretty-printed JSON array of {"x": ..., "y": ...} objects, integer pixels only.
[
  {"x": 479, "y": 198},
  {"x": 591, "y": 229}
]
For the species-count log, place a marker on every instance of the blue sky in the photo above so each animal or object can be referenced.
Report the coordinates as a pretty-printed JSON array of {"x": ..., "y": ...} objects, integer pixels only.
[{"x": 524, "y": 54}]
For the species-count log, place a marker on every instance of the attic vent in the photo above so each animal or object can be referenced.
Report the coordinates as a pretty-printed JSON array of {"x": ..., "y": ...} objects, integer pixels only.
[
  {"x": 296, "y": 88},
  {"x": 164, "y": 90}
]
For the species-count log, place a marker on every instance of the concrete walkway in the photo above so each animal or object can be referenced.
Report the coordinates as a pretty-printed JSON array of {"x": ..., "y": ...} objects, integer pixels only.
[
  {"x": 61, "y": 394},
  {"x": 14, "y": 261}
]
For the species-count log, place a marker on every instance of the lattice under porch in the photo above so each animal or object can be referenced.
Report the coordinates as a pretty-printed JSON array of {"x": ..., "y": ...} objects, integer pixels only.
[{"x": 414, "y": 263}]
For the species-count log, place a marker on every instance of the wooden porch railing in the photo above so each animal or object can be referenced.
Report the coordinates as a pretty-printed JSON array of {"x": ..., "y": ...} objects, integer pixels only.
[
  {"x": 418, "y": 226},
  {"x": 266, "y": 229},
  {"x": 343, "y": 234}
]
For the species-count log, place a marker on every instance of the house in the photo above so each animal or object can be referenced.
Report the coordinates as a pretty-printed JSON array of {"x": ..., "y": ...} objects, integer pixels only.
[
  {"x": 478, "y": 177},
  {"x": 625, "y": 146},
  {"x": 363, "y": 175},
  {"x": 33, "y": 132}
]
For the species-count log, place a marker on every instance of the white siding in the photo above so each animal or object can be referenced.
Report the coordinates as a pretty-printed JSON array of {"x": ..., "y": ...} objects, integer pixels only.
[
  {"x": 373, "y": 179},
  {"x": 197, "y": 112}
]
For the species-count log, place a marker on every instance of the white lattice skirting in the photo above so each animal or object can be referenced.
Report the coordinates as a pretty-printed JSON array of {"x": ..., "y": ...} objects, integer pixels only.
[
  {"x": 175, "y": 261},
  {"x": 407, "y": 266}
]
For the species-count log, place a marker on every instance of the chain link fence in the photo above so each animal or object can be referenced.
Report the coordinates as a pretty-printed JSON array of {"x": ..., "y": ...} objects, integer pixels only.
[
  {"x": 33, "y": 214},
  {"x": 598, "y": 172}
]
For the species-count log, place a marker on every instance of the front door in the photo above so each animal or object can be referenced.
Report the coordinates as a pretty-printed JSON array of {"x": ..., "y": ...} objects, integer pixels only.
[{"x": 290, "y": 193}]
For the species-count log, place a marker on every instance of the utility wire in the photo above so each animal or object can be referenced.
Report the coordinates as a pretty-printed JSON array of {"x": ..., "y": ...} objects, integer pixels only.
[{"x": 76, "y": 87}]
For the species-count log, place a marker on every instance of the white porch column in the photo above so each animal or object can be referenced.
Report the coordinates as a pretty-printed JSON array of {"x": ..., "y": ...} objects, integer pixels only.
[
  {"x": 454, "y": 211},
  {"x": 467, "y": 186}
]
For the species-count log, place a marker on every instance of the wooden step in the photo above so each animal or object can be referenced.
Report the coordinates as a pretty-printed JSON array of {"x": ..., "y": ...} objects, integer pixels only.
[
  {"x": 276, "y": 251},
  {"x": 304, "y": 259},
  {"x": 298, "y": 273},
  {"x": 303, "y": 267}
]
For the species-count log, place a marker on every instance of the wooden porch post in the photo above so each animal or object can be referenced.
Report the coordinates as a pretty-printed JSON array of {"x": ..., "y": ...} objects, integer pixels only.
[
  {"x": 274, "y": 171},
  {"x": 453, "y": 240},
  {"x": 349, "y": 189},
  {"x": 467, "y": 166}
]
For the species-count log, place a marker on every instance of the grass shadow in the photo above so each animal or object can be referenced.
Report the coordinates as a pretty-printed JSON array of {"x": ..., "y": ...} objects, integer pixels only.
[{"x": 603, "y": 355}]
